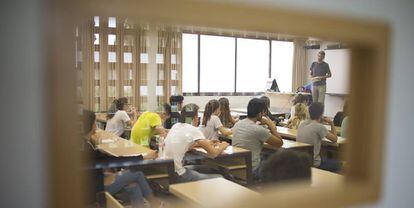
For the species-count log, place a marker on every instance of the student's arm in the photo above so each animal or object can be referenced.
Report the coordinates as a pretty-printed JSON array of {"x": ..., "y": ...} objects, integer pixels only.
[
  {"x": 219, "y": 126},
  {"x": 224, "y": 131},
  {"x": 332, "y": 135},
  {"x": 212, "y": 151},
  {"x": 160, "y": 130},
  {"x": 275, "y": 139},
  {"x": 134, "y": 117}
]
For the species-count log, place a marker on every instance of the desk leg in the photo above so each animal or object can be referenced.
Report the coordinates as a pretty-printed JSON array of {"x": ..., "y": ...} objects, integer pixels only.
[
  {"x": 171, "y": 173},
  {"x": 249, "y": 171}
]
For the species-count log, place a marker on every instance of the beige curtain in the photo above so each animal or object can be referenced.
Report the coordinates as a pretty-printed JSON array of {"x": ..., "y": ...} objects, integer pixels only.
[
  {"x": 168, "y": 63},
  {"x": 114, "y": 63},
  {"x": 300, "y": 68}
]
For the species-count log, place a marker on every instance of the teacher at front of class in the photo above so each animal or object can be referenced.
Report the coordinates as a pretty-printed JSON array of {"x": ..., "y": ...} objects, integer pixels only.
[{"x": 319, "y": 72}]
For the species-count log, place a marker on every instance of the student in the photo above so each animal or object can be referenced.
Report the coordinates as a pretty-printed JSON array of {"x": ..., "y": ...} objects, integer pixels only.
[
  {"x": 266, "y": 100},
  {"x": 116, "y": 121},
  {"x": 344, "y": 125},
  {"x": 312, "y": 131},
  {"x": 132, "y": 183},
  {"x": 286, "y": 166},
  {"x": 301, "y": 113},
  {"x": 211, "y": 125},
  {"x": 147, "y": 125},
  {"x": 249, "y": 135},
  {"x": 225, "y": 117},
  {"x": 176, "y": 101},
  {"x": 166, "y": 116},
  {"x": 299, "y": 98},
  {"x": 182, "y": 137}
]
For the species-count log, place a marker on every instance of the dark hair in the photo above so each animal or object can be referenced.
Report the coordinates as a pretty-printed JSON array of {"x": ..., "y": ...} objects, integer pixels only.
[
  {"x": 88, "y": 120},
  {"x": 167, "y": 109},
  {"x": 188, "y": 111},
  {"x": 299, "y": 98},
  {"x": 315, "y": 110},
  {"x": 176, "y": 99},
  {"x": 255, "y": 107},
  {"x": 322, "y": 53},
  {"x": 286, "y": 165},
  {"x": 211, "y": 106},
  {"x": 225, "y": 116},
  {"x": 119, "y": 105}
]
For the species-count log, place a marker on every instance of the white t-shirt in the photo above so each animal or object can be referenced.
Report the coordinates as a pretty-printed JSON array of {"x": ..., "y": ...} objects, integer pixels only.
[
  {"x": 178, "y": 141},
  {"x": 210, "y": 131},
  {"x": 115, "y": 125}
]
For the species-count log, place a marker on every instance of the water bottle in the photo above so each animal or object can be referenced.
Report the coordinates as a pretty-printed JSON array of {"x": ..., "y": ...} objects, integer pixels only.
[{"x": 161, "y": 146}]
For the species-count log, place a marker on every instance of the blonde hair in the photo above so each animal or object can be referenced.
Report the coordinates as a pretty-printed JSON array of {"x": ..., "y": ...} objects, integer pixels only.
[{"x": 301, "y": 113}]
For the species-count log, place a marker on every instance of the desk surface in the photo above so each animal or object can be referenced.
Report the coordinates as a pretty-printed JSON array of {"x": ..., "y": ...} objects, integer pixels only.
[
  {"x": 230, "y": 150},
  {"x": 292, "y": 134},
  {"x": 211, "y": 192},
  {"x": 119, "y": 147},
  {"x": 321, "y": 177},
  {"x": 288, "y": 144}
]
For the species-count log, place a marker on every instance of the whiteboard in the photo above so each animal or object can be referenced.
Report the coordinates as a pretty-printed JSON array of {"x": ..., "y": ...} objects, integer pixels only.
[{"x": 339, "y": 61}]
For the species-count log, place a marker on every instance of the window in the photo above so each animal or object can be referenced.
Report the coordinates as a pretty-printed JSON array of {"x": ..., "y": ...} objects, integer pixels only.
[
  {"x": 252, "y": 65},
  {"x": 217, "y": 65},
  {"x": 282, "y": 64},
  {"x": 190, "y": 63},
  {"x": 229, "y": 67}
]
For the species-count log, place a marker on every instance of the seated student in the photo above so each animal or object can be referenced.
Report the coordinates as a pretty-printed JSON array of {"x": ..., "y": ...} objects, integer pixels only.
[
  {"x": 268, "y": 114},
  {"x": 211, "y": 125},
  {"x": 249, "y": 135},
  {"x": 286, "y": 166},
  {"x": 299, "y": 98},
  {"x": 177, "y": 100},
  {"x": 166, "y": 116},
  {"x": 117, "y": 120},
  {"x": 301, "y": 113},
  {"x": 344, "y": 124},
  {"x": 225, "y": 117},
  {"x": 132, "y": 183},
  {"x": 182, "y": 137},
  {"x": 147, "y": 125},
  {"x": 312, "y": 131},
  {"x": 176, "y": 103}
]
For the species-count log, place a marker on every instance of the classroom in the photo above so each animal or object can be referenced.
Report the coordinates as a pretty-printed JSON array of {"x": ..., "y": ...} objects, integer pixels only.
[{"x": 167, "y": 105}]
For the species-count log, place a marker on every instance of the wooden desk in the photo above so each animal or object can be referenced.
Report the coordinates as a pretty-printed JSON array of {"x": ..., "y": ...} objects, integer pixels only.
[
  {"x": 211, "y": 192},
  {"x": 125, "y": 153},
  {"x": 242, "y": 160},
  {"x": 321, "y": 177},
  {"x": 287, "y": 133},
  {"x": 292, "y": 145}
]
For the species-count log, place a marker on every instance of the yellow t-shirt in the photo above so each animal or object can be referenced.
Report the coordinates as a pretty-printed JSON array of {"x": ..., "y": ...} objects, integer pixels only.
[{"x": 143, "y": 129}]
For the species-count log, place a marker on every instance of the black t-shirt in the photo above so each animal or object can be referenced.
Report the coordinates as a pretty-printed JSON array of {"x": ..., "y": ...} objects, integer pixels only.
[{"x": 319, "y": 69}]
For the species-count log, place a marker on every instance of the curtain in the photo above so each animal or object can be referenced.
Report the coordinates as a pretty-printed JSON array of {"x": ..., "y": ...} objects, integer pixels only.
[
  {"x": 300, "y": 70},
  {"x": 169, "y": 66},
  {"x": 115, "y": 63}
]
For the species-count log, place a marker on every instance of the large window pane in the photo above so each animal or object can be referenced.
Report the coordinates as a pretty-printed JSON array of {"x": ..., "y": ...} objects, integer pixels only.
[
  {"x": 282, "y": 64},
  {"x": 252, "y": 65},
  {"x": 190, "y": 63},
  {"x": 217, "y": 55}
]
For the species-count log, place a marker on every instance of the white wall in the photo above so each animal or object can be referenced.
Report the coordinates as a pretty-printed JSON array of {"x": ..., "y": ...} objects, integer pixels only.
[
  {"x": 235, "y": 101},
  {"x": 398, "y": 183}
]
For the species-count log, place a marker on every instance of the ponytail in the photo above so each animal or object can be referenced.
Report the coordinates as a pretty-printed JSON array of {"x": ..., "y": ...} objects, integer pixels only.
[{"x": 211, "y": 106}]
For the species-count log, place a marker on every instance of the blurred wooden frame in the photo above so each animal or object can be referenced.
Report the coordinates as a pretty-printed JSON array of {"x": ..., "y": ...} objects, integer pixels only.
[{"x": 368, "y": 88}]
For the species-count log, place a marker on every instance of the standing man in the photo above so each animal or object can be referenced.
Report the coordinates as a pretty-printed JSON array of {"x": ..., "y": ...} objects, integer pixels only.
[{"x": 319, "y": 72}]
